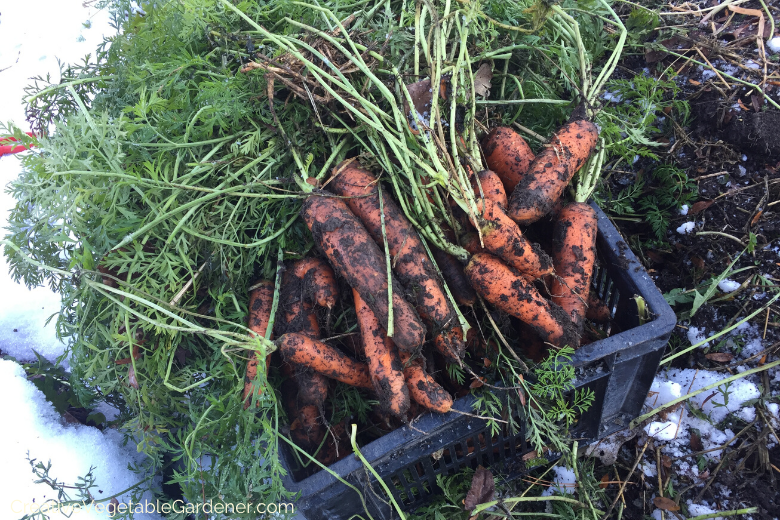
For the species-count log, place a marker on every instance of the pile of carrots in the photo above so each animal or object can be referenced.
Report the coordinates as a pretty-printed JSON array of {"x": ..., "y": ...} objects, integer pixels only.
[{"x": 355, "y": 222}]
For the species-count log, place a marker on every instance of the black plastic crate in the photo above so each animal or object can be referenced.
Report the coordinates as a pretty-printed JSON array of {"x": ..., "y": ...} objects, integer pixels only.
[{"x": 619, "y": 370}]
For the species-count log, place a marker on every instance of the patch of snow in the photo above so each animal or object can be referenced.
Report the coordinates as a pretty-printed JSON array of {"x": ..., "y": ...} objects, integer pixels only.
[
  {"x": 744, "y": 157},
  {"x": 611, "y": 97},
  {"x": 742, "y": 170},
  {"x": 697, "y": 510},
  {"x": 752, "y": 65},
  {"x": 686, "y": 228},
  {"x": 747, "y": 414},
  {"x": 728, "y": 286},
  {"x": 697, "y": 335},
  {"x": 563, "y": 482},
  {"x": 707, "y": 74},
  {"x": 71, "y": 449},
  {"x": 774, "y": 44},
  {"x": 684, "y": 209}
]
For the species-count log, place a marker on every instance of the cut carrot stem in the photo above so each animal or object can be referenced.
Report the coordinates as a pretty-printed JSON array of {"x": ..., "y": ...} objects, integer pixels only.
[
  {"x": 356, "y": 257},
  {"x": 506, "y": 289}
]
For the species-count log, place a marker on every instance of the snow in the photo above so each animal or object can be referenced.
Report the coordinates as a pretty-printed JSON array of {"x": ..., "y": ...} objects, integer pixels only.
[
  {"x": 698, "y": 509},
  {"x": 71, "y": 449},
  {"x": 33, "y": 35},
  {"x": 563, "y": 482},
  {"x": 684, "y": 209},
  {"x": 697, "y": 335},
  {"x": 686, "y": 228},
  {"x": 774, "y": 44},
  {"x": 742, "y": 170},
  {"x": 728, "y": 286}
]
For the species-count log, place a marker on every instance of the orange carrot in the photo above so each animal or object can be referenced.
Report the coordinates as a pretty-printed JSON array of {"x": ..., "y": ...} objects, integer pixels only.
[
  {"x": 422, "y": 388},
  {"x": 383, "y": 361},
  {"x": 492, "y": 187},
  {"x": 574, "y": 253},
  {"x": 470, "y": 242},
  {"x": 503, "y": 238},
  {"x": 452, "y": 271},
  {"x": 510, "y": 292},
  {"x": 318, "y": 279},
  {"x": 320, "y": 357},
  {"x": 597, "y": 309},
  {"x": 411, "y": 263},
  {"x": 260, "y": 301},
  {"x": 507, "y": 154},
  {"x": 551, "y": 171},
  {"x": 356, "y": 257}
]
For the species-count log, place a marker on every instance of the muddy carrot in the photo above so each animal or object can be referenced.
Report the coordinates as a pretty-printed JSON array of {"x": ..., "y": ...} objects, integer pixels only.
[
  {"x": 383, "y": 361},
  {"x": 422, "y": 388},
  {"x": 452, "y": 271},
  {"x": 574, "y": 253},
  {"x": 260, "y": 301},
  {"x": 492, "y": 187},
  {"x": 356, "y": 257},
  {"x": 503, "y": 238},
  {"x": 551, "y": 171},
  {"x": 320, "y": 357},
  {"x": 318, "y": 279},
  {"x": 411, "y": 263},
  {"x": 506, "y": 289},
  {"x": 597, "y": 309},
  {"x": 507, "y": 154}
]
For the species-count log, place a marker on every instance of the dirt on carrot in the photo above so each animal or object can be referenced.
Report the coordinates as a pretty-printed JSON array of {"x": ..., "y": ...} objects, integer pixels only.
[{"x": 508, "y": 155}]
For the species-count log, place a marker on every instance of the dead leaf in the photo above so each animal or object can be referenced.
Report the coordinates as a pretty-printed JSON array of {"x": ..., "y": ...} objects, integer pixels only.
[
  {"x": 720, "y": 357},
  {"x": 530, "y": 455},
  {"x": 666, "y": 461},
  {"x": 655, "y": 256},
  {"x": 477, "y": 383},
  {"x": 742, "y": 105},
  {"x": 697, "y": 262},
  {"x": 701, "y": 206},
  {"x": 604, "y": 481},
  {"x": 696, "y": 444},
  {"x": 757, "y": 217},
  {"x": 653, "y": 56},
  {"x": 756, "y": 102},
  {"x": 487, "y": 362},
  {"x": 131, "y": 379},
  {"x": 521, "y": 395},
  {"x": 666, "y": 504},
  {"x": 483, "y": 489},
  {"x": 694, "y": 82},
  {"x": 482, "y": 80},
  {"x": 112, "y": 506}
]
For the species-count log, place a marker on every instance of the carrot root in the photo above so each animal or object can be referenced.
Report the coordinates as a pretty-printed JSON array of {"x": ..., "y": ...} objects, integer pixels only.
[{"x": 320, "y": 357}]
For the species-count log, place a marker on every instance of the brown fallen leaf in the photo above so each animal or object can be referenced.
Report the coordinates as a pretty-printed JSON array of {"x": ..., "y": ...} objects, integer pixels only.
[
  {"x": 696, "y": 444},
  {"x": 720, "y": 357},
  {"x": 742, "y": 105},
  {"x": 697, "y": 262},
  {"x": 476, "y": 383},
  {"x": 604, "y": 481},
  {"x": 666, "y": 504},
  {"x": 755, "y": 100},
  {"x": 757, "y": 217},
  {"x": 694, "y": 82},
  {"x": 482, "y": 80},
  {"x": 701, "y": 206},
  {"x": 666, "y": 461},
  {"x": 131, "y": 379},
  {"x": 482, "y": 490}
]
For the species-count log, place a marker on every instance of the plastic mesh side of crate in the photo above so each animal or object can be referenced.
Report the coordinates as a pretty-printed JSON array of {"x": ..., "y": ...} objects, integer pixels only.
[{"x": 415, "y": 483}]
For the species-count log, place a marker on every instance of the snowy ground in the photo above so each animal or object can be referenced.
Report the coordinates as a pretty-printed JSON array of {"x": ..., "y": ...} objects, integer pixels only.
[{"x": 33, "y": 35}]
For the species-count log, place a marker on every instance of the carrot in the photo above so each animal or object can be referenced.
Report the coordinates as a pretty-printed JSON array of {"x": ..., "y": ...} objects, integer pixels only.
[
  {"x": 507, "y": 154},
  {"x": 492, "y": 187},
  {"x": 318, "y": 279},
  {"x": 551, "y": 171},
  {"x": 597, "y": 309},
  {"x": 470, "y": 242},
  {"x": 297, "y": 314},
  {"x": 320, "y": 357},
  {"x": 306, "y": 430},
  {"x": 503, "y": 238},
  {"x": 260, "y": 301},
  {"x": 452, "y": 271},
  {"x": 356, "y": 257},
  {"x": 574, "y": 253},
  {"x": 511, "y": 293},
  {"x": 411, "y": 263},
  {"x": 422, "y": 388},
  {"x": 383, "y": 361}
]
